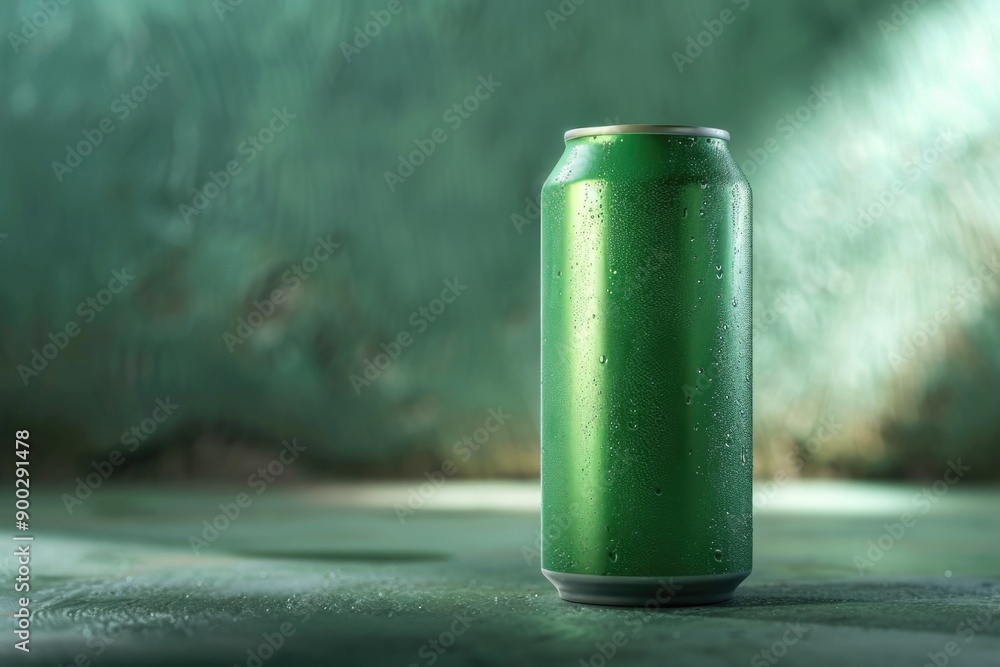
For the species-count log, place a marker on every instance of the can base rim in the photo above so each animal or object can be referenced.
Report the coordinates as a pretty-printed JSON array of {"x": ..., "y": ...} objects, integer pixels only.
[{"x": 663, "y": 591}]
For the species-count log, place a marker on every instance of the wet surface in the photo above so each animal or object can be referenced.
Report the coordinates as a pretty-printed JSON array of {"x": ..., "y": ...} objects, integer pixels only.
[{"x": 328, "y": 579}]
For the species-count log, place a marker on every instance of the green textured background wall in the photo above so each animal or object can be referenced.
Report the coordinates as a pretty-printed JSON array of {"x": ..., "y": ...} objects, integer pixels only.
[{"x": 852, "y": 375}]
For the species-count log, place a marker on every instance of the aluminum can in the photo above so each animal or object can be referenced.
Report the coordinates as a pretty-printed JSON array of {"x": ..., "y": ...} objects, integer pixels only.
[{"x": 646, "y": 367}]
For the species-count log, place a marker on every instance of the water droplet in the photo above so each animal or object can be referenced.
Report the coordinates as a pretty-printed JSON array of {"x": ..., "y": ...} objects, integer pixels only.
[
  {"x": 734, "y": 302},
  {"x": 612, "y": 556},
  {"x": 603, "y": 359},
  {"x": 558, "y": 273},
  {"x": 686, "y": 215},
  {"x": 718, "y": 555},
  {"x": 701, "y": 370},
  {"x": 658, "y": 491},
  {"x": 947, "y": 574}
]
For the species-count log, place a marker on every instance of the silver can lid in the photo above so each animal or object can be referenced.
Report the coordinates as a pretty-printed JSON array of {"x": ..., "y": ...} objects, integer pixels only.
[{"x": 677, "y": 130}]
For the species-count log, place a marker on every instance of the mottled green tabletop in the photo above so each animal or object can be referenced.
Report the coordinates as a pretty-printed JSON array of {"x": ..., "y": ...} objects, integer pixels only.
[{"x": 336, "y": 574}]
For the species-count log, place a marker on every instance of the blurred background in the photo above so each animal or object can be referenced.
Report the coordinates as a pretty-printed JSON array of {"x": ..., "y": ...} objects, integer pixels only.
[{"x": 228, "y": 225}]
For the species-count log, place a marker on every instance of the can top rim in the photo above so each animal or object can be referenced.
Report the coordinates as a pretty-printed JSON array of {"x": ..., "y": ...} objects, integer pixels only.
[{"x": 677, "y": 130}]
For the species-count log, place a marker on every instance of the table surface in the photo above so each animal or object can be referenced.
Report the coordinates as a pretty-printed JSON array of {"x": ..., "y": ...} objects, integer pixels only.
[{"x": 331, "y": 575}]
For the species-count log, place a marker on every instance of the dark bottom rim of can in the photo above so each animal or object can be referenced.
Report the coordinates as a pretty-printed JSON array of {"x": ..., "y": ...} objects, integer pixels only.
[{"x": 652, "y": 592}]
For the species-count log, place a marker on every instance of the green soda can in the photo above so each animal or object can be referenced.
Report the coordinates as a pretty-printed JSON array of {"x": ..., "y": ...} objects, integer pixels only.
[{"x": 646, "y": 368}]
